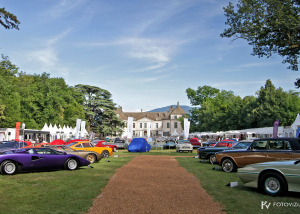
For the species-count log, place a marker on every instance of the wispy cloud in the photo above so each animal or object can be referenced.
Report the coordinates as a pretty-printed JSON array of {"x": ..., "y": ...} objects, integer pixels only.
[
  {"x": 242, "y": 67},
  {"x": 218, "y": 85},
  {"x": 57, "y": 38},
  {"x": 64, "y": 7}
]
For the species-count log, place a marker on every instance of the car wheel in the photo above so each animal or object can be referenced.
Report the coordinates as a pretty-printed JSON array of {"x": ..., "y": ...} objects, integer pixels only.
[
  {"x": 115, "y": 149},
  {"x": 71, "y": 164},
  {"x": 105, "y": 154},
  {"x": 91, "y": 157},
  {"x": 9, "y": 168},
  {"x": 228, "y": 165},
  {"x": 273, "y": 184},
  {"x": 212, "y": 159}
]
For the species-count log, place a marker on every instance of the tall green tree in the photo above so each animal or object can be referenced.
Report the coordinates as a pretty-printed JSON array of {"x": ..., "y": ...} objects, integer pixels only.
[
  {"x": 8, "y": 20},
  {"x": 197, "y": 98},
  {"x": 99, "y": 109},
  {"x": 36, "y": 99},
  {"x": 273, "y": 104},
  {"x": 270, "y": 26}
]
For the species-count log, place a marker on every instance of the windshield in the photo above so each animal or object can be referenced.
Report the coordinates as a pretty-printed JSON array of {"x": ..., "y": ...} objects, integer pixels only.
[
  {"x": 184, "y": 142},
  {"x": 71, "y": 144},
  {"x": 243, "y": 145}
]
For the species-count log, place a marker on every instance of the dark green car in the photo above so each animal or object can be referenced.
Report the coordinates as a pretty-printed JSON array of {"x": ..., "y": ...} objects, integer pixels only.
[{"x": 210, "y": 152}]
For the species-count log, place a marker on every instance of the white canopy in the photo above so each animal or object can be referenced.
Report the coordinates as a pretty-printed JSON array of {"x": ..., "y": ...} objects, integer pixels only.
[{"x": 175, "y": 133}]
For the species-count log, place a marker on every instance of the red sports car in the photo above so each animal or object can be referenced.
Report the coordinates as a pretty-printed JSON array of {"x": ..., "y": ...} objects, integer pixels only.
[{"x": 103, "y": 143}]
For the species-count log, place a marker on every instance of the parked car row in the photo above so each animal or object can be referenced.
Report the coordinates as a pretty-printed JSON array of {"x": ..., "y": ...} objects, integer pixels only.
[{"x": 270, "y": 164}]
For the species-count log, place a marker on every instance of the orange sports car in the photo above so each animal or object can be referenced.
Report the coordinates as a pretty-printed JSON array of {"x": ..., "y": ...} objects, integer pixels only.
[{"x": 88, "y": 146}]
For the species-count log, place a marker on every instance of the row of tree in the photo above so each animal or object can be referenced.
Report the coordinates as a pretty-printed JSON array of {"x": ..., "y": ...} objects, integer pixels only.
[
  {"x": 39, "y": 99},
  {"x": 222, "y": 110}
]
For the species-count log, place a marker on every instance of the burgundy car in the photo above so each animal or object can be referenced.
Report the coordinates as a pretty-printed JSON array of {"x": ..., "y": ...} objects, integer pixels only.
[
  {"x": 103, "y": 143},
  {"x": 195, "y": 143}
]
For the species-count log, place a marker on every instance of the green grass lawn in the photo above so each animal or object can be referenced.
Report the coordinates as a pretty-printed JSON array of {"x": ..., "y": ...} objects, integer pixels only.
[
  {"x": 57, "y": 191},
  {"x": 235, "y": 199},
  {"x": 159, "y": 151},
  {"x": 74, "y": 191}
]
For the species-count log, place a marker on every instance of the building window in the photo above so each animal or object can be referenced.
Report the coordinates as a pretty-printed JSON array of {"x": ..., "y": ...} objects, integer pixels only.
[
  {"x": 141, "y": 125},
  {"x": 133, "y": 133},
  {"x": 175, "y": 117},
  {"x": 156, "y": 125},
  {"x": 168, "y": 125},
  {"x": 162, "y": 124},
  {"x": 175, "y": 125},
  {"x": 133, "y": 125},
  {"x": 145, "y": 125},
  {"x": 156, "y": 133}
]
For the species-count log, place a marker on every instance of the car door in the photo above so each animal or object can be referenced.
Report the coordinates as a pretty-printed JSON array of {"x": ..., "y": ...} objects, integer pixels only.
[
  {"x": 279, "y": 150},
  {"x": 50, "y": 159},
  {"x": 257, "y": 153},
  {"x": 31, "y": 161}
]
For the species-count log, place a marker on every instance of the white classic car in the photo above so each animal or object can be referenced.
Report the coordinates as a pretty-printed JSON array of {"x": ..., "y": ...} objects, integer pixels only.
[{"x": 184, "y": 145}]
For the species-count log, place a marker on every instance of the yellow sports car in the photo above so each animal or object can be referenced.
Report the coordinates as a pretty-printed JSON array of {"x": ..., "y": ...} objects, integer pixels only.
[{"x": 88, "y": 146}]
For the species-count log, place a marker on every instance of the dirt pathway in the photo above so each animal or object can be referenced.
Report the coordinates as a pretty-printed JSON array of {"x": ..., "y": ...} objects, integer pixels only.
[{"x": 154, "y": 184}]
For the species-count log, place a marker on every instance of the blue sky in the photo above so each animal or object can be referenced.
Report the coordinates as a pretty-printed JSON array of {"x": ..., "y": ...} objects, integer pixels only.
[{"x": 145, "y": 53}]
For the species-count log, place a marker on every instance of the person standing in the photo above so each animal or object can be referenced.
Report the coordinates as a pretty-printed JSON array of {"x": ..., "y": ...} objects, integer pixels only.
[{"x": 41, "y": 139}]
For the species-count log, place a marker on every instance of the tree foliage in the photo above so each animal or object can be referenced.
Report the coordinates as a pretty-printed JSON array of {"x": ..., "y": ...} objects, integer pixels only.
[
  {"x": 99, "y": 109},
  {"x": 270, "y": 26},
  {"x": 225, "y": 111},
  {"x": 35, "y": 99},
  {"x": 8, "y": 20}
]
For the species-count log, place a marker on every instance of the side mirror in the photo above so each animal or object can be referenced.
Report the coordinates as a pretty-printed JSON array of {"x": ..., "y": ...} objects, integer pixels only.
[{"x": 65, "y": 153}]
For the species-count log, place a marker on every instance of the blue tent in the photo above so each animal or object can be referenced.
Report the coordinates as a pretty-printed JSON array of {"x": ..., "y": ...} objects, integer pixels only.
[{"x": 139, "y": 145}]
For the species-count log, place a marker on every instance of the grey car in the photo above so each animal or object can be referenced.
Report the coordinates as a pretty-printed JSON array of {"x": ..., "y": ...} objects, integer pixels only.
[{"x": 120, "y": 144}]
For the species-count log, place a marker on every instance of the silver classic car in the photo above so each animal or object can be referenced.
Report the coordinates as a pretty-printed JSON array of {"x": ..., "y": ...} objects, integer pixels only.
[{"x": 273, "y": 178}]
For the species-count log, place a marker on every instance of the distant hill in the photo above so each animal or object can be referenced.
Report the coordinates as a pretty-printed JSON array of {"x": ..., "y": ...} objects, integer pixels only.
[{"x": 167, "y": 108}]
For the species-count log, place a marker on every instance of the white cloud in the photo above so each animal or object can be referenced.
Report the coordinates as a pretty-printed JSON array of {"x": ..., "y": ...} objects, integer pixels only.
[
  {"x": 46, "y": 56},
  {"x": 64, "y": 6},
  {"x": 57, "y": 38}
]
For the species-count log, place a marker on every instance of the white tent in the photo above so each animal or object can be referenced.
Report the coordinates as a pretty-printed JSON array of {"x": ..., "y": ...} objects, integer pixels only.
[
  {"x": 175, "y": 133},
  {"x": 296, "y": 122}
]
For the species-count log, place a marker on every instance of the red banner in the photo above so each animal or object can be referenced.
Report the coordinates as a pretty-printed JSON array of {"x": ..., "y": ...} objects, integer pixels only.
[{"x": 18, "y": 124}]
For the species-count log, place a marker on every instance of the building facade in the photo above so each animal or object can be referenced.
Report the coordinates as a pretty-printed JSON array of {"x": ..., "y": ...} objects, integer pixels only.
[{"x": 162, "y": 123}]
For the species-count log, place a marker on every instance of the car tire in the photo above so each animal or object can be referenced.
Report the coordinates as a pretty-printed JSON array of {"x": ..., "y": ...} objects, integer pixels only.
[
  {"x": 115, "y": 149},
  {"x": 212, "y": 159},
  {"x": 71, "y": 164},
  {"x": 273, "y": 184},
  {"x": 91, "y": 157},
  {"x": 105, "y": 154},
  {"x": 228, "y": 165},
  {"x": 9, "y": 168}
]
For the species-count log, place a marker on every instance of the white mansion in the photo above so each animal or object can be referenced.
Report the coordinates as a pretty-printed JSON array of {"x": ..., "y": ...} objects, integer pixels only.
[{"x": 162, "y": 123}]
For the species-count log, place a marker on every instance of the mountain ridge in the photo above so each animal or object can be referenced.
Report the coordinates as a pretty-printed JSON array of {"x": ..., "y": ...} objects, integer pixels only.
[{"x": 167, "y": 108}]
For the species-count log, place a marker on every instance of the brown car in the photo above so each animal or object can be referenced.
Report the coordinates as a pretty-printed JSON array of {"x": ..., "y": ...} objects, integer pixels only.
[
  {"x": 261, "y": 150},
  {"x": 88, "y": 155}
]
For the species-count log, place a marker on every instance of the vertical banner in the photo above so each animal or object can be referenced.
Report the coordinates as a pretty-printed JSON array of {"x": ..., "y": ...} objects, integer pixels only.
[
  {"x": 275, "y": 128},
  {"x": 148, "y": 129},
  {"x": 82, "y": 128},
  {"x": 78, "y": 121},
  {"x": 186, "y": 128},
  {"x": 129, "y": 128},
  {"x": 18, "y": 124}
]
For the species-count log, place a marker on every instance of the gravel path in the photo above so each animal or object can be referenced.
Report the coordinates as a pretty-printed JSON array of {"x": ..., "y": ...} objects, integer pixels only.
[{"x": 154, "y": 184}]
